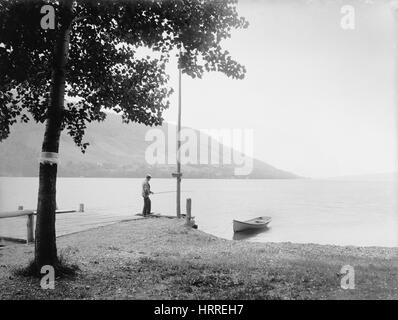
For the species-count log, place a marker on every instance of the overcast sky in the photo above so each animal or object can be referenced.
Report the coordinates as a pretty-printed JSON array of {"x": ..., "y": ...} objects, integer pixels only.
[{"x": 320, "y": 99}]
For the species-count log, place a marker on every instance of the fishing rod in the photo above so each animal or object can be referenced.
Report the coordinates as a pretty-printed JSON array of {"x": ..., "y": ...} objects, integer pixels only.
[{"x": 169, "y": 192}]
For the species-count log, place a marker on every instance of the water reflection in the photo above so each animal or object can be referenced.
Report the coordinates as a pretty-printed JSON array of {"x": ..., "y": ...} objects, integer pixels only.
[{"x": 247, "y": 234}]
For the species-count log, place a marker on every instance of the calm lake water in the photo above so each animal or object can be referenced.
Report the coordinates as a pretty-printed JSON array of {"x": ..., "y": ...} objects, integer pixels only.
[{"x": 317, "y": 211}]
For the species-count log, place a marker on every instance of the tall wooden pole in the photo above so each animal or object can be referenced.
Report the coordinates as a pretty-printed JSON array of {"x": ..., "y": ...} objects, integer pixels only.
[{"x": 179, "y": 145}]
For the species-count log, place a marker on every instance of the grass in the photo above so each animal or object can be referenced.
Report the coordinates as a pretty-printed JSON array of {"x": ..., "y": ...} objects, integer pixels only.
[{"x": 162, "y": 259}]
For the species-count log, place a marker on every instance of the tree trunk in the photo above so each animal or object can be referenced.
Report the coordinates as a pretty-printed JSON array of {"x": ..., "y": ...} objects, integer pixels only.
[{"x": 45, "y": 244}]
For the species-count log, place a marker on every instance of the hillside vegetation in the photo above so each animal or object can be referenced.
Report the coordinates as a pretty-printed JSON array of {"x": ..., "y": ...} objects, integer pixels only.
[{"x": 116, "y": 150}]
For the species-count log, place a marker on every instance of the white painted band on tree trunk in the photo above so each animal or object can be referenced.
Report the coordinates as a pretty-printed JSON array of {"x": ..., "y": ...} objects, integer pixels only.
[{"x": 49, "y": 157}]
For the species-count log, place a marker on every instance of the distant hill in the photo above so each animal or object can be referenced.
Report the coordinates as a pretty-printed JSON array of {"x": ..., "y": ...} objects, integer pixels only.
[
  {"x": 116, "y": 150},
  {"x": 385, "y": 176}
]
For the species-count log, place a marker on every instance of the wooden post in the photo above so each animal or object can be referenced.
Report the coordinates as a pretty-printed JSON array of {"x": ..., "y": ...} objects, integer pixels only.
[
  {"x": 179, "y": 143},
  {"x": 29, "y": 227},
  {"x": 188, "y": 215},
  {"x": 81, "y": 207}
]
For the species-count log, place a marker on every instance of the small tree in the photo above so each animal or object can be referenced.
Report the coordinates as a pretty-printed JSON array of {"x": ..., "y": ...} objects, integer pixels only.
[{"x": 91, "y": 58}]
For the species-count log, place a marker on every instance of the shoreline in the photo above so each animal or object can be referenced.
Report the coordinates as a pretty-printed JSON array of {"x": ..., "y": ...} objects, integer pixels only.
[
  {"x": 246, "y": 237},
  {"x": 160, "y": 258},
  {"x": 246, "y": 240}
]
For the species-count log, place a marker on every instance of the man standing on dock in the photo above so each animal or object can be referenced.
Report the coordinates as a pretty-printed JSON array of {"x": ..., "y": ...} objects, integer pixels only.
[{"x": 146, "y": 191}]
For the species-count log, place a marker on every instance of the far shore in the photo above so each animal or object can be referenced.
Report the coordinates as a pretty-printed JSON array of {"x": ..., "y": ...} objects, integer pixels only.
[{"x": 160, "y": 258}]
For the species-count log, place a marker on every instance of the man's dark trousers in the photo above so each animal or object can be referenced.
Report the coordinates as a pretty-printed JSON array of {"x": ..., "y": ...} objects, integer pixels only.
[{"x": 147, "y": 206}]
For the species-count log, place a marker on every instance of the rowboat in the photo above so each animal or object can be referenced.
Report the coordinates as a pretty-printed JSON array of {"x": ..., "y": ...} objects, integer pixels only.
[{"x": 256, "y": 223}]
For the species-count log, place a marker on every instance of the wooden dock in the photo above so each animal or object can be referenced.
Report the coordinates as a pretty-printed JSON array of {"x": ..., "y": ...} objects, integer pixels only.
[
  {"x": 14, "y": 225},
  {"x": 19, "y": 226}
]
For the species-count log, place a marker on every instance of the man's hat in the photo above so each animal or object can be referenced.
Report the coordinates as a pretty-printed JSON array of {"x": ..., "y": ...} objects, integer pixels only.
[{"x": 148, "y": 175}]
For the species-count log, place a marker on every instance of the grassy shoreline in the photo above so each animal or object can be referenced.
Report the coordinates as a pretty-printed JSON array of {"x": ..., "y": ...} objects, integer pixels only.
[{"x": 159, "y": 258}]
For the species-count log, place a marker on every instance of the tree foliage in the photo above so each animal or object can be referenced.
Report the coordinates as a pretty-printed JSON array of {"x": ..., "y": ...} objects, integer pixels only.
[{"x": 105, "y": 70}]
